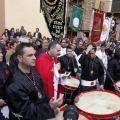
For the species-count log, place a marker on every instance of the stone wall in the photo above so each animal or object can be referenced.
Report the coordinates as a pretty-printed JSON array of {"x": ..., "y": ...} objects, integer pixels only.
[{"x": 87, "y": 6}]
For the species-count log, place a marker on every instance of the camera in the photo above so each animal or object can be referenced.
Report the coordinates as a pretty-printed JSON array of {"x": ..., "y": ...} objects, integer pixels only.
[{"x": 70, "y": 113}]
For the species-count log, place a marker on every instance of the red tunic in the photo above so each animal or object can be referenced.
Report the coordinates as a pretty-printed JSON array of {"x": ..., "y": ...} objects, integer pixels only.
[{"x": 45, "y": 66}]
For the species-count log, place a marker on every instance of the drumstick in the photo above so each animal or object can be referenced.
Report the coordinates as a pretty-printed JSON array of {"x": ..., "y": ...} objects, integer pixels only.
[{"x": 63, "y": 106}]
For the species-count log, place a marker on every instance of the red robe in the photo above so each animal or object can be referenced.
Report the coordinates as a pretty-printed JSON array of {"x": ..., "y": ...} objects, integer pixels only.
[{"x": 45, "y": 66}]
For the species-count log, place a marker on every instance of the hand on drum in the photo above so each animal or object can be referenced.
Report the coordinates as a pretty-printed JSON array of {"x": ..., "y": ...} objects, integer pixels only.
[
  {"x": 101, "y": 87},
  {"x": 75, "y": 70},
  {"x": 117, "y": 88},
  {"x": 65, "y": 75},
  {"x": 56, "y": 103}
]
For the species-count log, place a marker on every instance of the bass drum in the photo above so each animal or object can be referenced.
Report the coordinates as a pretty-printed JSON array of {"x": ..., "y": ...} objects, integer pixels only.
[{"x": 102, "y": 105}]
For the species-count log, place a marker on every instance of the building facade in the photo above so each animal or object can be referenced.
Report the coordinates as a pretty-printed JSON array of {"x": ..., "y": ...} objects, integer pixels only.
[
  {"x": 110, "y": 7},
  {"x": 87, "y": 5},
  {"x": 2, "y": 16},
  {"x": 17, "y": 13}
]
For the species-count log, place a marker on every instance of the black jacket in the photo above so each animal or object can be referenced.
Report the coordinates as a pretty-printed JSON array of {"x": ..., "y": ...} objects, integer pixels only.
[
  {"x": 88, "y": 65},
  {"x": 4, "y": 75},
  {"x": 22, "y": 97},
  {"x": 13, "y": 63},
  {"x": 3, "y": 51},
  {"x": 114, "y": 72},
  {"x": 114, "y": 69},
  {"x": 39, "y": 35},
  {"x": 78, "y": 51},
  {"x": 39, "y": 52},
  {"x": 68, "y": 64}
]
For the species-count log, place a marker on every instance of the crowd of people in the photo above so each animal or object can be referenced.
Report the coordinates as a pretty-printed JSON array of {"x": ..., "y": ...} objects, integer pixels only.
[{"x": 33, "y": 70}]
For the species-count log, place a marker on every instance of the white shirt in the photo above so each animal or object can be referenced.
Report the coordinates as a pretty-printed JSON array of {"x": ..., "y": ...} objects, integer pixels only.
[
  {"x": 78, "y": 57},
  {"x": 36, "y": 35},
  {"x": 103, "y": 57},
  {"x": 62, "y": 52}
]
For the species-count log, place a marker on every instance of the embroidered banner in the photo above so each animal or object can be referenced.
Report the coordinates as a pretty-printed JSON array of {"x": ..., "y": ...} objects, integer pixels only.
[
  {"x": 105, "y": 30},
  {"x": 76, "y": 17},
  {"x": 97, "y": 25},
  {"x": 54, "y": 13}
]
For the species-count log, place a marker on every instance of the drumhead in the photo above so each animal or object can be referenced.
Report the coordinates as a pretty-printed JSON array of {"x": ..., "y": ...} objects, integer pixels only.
[
  {"x": 72, "y": 83},
  {"x": 82, "y": 116},
  {"x": 99, "y": 103}
]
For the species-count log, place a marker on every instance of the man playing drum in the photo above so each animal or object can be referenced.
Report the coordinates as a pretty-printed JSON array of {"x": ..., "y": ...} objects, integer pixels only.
[
  {"x": 114, "y": 71},
  {"x": 92, "y": 69}
]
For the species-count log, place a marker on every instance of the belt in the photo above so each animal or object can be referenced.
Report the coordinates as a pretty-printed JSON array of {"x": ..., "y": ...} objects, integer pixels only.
[{"x": 88, "y": 83}]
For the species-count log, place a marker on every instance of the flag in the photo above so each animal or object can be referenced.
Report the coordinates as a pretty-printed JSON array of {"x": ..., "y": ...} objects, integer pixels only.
[
  {"x": 76, "y": 17},
  {"x": 54, "y": 14},
  {"x": 105, "y": 30},
  {"x": 97, "y": 25}
]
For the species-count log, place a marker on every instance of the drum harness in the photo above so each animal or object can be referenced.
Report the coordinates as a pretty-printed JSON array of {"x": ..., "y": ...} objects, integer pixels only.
[{"x": 52, "y": 87}]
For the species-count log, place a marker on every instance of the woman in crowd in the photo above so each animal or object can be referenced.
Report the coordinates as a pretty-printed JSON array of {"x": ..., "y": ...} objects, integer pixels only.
[
  {"x": 6, "y": 33},
  {"x": 29, "y": 35},
  {"x": 4, "y": 74}
]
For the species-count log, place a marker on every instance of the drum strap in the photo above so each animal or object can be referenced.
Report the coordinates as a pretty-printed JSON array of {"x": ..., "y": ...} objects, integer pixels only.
[{"x": 88, "y": 83}]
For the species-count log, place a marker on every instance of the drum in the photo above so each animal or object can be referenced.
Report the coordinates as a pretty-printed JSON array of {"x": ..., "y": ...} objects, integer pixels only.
[
  {"x": 82, "y": 116},
  {"x": 70, "y": 86},
  {"x": 99, "y": 104}
]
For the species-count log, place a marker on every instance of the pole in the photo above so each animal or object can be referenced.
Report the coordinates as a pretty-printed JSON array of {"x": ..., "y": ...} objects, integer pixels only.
[
  {"x": 66, "y": 17},
  {"x": 100, "y": 5}
]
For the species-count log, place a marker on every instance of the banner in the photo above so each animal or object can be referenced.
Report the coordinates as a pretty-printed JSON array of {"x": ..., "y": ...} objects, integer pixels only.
[
  {"x": 105, "y": 30},
  {"x": 76, "y": 17},
  {"x": 97, "y": 25},
  {"x": 54, "y": 13},
  {"x": 114, "y": 23}
]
